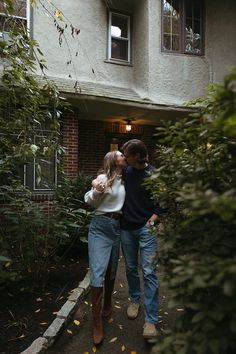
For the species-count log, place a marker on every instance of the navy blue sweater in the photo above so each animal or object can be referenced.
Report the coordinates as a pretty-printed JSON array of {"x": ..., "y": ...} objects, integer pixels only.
[{"x": 138, "y": 206}]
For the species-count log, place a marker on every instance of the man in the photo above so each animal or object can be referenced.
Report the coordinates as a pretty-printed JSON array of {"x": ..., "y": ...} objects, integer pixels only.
[{"x": 139, "y": 217}]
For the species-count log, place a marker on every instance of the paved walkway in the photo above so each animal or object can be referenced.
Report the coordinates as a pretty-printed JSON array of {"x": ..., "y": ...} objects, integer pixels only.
[{"x": 121, "y": 335}]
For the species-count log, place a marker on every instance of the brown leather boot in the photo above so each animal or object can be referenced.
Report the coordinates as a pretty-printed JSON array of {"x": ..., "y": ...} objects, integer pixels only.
[
  {"x": 107, "y": 304},
  {"x": 96, "y": 294}
]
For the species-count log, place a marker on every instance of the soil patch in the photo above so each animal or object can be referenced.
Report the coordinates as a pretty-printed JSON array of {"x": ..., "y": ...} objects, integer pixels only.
[{"x": 26, "y": 311}]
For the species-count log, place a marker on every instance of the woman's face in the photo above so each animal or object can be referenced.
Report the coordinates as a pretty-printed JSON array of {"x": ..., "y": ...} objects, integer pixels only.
[{"x": 120, "y": 160}]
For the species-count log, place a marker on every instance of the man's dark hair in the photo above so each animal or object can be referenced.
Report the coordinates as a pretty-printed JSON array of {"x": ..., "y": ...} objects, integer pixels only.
[{"x": 135, "y": 146}]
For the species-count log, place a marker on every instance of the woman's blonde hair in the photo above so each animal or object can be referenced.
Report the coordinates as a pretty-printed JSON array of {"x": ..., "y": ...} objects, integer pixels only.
[{"x": 109, "y": 167}]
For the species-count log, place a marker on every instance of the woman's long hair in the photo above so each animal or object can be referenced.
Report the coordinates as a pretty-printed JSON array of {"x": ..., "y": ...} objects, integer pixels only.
[{"x": 109, "y": 167}]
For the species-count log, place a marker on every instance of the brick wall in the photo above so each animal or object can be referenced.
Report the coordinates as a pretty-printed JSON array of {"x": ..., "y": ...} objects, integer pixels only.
[
  {"x": 70, "y": 142},
  {"x": 94, "y": 138}
]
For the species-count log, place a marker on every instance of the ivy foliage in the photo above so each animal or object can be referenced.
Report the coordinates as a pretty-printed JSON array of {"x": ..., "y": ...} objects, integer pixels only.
[
  {"x": 30, "y": 232},
  {"x": 196, "y": 182}
]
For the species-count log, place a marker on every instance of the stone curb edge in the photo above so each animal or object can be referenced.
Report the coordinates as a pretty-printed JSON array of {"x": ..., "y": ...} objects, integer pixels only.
[{"x": 41, "y": 344}]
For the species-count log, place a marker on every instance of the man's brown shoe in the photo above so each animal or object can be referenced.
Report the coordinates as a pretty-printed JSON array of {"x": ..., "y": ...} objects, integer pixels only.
[
  {"x": 132, "y": 310},
  {"x": 149, "y": 330}
]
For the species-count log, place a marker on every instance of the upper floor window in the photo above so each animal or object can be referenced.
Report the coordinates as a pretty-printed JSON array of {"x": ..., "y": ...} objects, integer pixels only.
[
  {"x": 182, "y": 26},
  {"x": 19, "y": 16},
  {"x": 119, "y": 37}
]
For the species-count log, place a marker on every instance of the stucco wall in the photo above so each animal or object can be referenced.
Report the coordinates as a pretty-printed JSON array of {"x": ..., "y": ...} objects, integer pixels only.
[
  {"x": 90, "y": 17},
  {"x": 161, "y": 77},
  {"x": 220, "y": 37}
]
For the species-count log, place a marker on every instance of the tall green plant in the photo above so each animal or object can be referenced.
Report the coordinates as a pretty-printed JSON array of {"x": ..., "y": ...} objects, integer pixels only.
[
  {"x": 26, "y": 109},
  {"x": 32, "y": 234},
  {"x": 196, "y": 181}
]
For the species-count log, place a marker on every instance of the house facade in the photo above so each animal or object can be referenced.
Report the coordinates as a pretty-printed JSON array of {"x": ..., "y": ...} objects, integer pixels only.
[{"x": 127, "y": 65}]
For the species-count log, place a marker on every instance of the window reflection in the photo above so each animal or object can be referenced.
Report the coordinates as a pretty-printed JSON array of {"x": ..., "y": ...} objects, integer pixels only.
[
  {"x": 119, "y": 37},
  {"x": 182, "y": 26}
]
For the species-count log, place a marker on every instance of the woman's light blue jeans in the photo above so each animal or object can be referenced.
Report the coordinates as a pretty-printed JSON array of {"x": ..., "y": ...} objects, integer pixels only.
[
  {"x": 144, "y": 242},
  {"x": 103, "y": 246}
]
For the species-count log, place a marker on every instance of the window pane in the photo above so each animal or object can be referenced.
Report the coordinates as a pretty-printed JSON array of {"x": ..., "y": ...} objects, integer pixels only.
[
  {"x": 45, "y": 174},
  {"x": 19, "y": 7},
  {"x": 188, "y": 8},
  {"x": 44, "y": 170},
  {"x": 197, "y": 8},
  {"x": 193, "y": 33},
  {"x": 171, "y": 42},
  {"x": 166, "y": 8},
  {"x": 175, "y": 25},
  {"x": 171, "y": 25},
  {"x": 167, "y": 42},
  {"x": 7, "y": 23},
  {"x": 119, "y": 49},
  {"x": 170, "y": 7},
  {"x": 119, "y": 26}
]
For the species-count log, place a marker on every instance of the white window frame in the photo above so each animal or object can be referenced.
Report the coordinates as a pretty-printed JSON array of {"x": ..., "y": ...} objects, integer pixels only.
[{"x": 110, "y": 37}]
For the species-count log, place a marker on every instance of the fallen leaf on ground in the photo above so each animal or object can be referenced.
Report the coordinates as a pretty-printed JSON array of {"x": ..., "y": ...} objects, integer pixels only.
[
  {"x": 111, "y": 320},
  {"x": 69, "y": 331},
  {"x": 39, "y": 299},
  {"x": 132, "y": 352},
  {"x": 113, "y": 340},
  {"x": 123, "y": 348},
  {"x": 114, "y": 292},
  {"x": 118, "y": 307},
  {"x": 94, "y": 349},
  {"x": 86, "y": 302},
  {"x": 43, "y": 323},
  {"x": 37, "y": 311},
  {"x": 22, "y": 336},
  {"x": 121, "y": 285},
  {"x": 76, "y": 322},
  {"x": 120, "y": 326},
  {"x": 180, "y": 309}
]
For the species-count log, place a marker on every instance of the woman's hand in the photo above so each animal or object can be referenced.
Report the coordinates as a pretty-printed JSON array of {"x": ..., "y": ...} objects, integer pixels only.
[{"x": 98, "y": 185}]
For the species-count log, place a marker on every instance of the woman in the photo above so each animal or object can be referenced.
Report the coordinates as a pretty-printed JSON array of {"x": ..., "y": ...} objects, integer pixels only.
[{"x": 107, "y": 196}]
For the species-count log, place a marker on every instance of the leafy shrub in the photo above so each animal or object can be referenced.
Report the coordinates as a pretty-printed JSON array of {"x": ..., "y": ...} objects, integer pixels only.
[
  {"x": 75, "y": 212},
  {"x": 196, "y": 181},
  {"x": 32, "y": 233}
]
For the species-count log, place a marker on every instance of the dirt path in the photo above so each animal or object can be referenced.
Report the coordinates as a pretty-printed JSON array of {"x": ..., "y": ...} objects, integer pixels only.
[{"x": 121, "y": 334}]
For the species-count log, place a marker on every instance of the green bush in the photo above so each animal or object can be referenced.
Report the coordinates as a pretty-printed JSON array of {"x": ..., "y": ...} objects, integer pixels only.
[
  {"x": 35, "y": 235},
  {"x": 75, "y": 212},
  {"x": 32, "y": 233},
  {"x": 196, "y": 182}
]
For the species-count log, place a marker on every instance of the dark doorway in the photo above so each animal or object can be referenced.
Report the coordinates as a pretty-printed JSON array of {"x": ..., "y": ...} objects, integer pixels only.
[{"x": 114, "y": 141}]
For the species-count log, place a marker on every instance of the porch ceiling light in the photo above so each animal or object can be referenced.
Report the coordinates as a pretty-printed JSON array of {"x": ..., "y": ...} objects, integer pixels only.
[{"x": 128, "y": 126}]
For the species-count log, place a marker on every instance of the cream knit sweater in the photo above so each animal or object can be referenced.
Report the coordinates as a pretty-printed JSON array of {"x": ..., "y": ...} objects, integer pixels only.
[{"x": 109, "y": 201}]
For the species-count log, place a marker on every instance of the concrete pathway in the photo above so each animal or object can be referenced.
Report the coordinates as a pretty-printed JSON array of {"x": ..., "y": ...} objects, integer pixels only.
[{"x": 121, "y": 335}]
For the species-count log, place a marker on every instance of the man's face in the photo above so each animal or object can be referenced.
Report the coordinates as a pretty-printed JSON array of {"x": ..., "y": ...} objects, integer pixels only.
[{"x": 131, "y": 160}]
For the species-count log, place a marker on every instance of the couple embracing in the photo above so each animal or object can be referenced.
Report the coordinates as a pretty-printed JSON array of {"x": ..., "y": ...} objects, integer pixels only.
[{"x": 124, "y": 212}]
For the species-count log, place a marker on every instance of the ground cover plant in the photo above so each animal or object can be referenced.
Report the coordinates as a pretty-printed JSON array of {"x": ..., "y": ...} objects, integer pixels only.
[{"x": 196, "y": 182}]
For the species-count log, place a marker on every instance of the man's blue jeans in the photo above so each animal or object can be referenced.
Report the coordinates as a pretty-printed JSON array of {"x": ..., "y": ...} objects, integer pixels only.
[{"x": 145, "y": 242}]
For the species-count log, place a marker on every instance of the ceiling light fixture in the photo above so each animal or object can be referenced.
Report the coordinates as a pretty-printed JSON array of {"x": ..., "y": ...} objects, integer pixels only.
[{"x": 128, "y": 126}]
